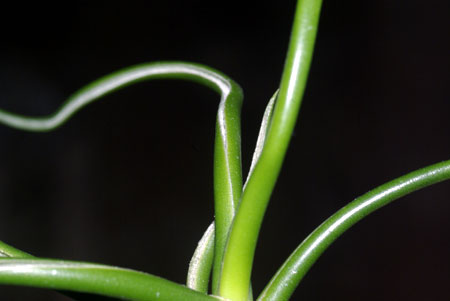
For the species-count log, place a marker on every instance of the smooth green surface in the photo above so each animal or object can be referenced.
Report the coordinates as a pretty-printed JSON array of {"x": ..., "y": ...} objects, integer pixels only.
[
  {"x": 227, "y": 176},
  {"x": 95, "y": 279},
  {"x": 8, "y": 251},
  {"x": 241, "y": 209},
  {"x": 240, "y": 250},
  {"x": 227, "y": 156},
  {"x": 298, "y": 264}
]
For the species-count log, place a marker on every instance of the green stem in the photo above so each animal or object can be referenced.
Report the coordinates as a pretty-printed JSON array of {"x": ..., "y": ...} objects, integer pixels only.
[
  {"x": 227, "y": 176},
  {"x": 297, "y": 265},
  {"x": 8, "y": 251},
  {"x": 13, "y": 253},
  {"x": 238, "y": 260},
  {"x": 94, "y": 279},
  {"x": 201, "y": 262},
  {"x": 227, "y": 157}
]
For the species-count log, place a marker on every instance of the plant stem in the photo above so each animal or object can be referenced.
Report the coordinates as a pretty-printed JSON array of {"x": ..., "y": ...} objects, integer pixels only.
[
  {"x": 94, "y": 279},
  {"x": 227, "y": 156},
  {"x": 238, "y": 260},
  {"x": 200, "y": 265},
  {"x": 297, "y": 265},
  {"x": 227, "y": 175},
  {"x": 8, "y": 251}
]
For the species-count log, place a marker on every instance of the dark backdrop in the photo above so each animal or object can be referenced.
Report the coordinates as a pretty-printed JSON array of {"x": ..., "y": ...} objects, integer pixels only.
[{"x": 128, "y": 181}]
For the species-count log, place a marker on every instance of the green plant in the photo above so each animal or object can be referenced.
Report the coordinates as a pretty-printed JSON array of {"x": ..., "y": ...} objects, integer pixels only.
[{"x": 233, "y": 281}]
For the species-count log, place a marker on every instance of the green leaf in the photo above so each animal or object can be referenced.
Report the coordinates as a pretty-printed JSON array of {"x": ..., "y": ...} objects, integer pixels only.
[
  {"x": 298, "y": 264},
  {"x": 201, "y": 262},
  {"x": 94, "y": 279},
  {"x": 267, "y": 117},
  {"x": 240, "y": 250}
]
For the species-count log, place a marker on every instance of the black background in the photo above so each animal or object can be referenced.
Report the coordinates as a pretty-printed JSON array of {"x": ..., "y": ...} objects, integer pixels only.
[{"x": 128, "y": 181}]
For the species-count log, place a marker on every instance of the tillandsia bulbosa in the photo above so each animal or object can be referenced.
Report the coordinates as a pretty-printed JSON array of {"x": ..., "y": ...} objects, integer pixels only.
[{"x": 221, "y": 267}]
